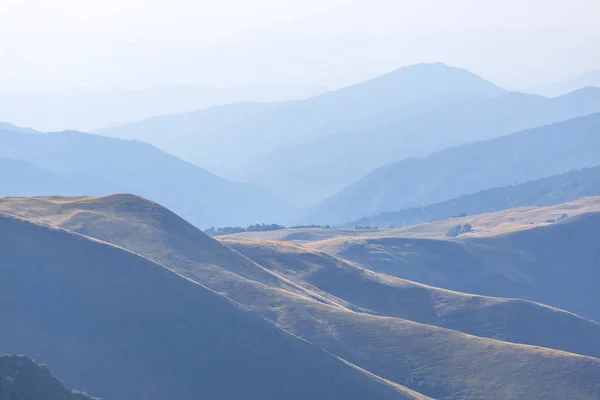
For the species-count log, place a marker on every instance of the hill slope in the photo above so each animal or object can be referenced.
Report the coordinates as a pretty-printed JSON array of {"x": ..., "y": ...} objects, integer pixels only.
[
  {"x": 125, "y": 328},
  {"x": 131, "y": 166},
  {"x": 554, "y": 190},
  {"x": 18, "y": 178},
  {"x": 556, "y": 264},
  {"x": 23, "y": 379},
  {"x": 438, "y": 362},
  {"x": 510, "y": 320},
  {"x": 520, "y": 157}
]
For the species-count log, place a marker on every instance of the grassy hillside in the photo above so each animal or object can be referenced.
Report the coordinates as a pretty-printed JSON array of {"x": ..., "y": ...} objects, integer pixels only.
[
  {"x": 510, "y": 320},
  {"x": 495, "y": 223},
  {"x": 554, "y": 264},
  {"x": 486, "y": 224},
  {"x": 302, "y": 235},
  {"x": 122, "y": 327},
  {"x": 23, "y": 379},
  {"x": 556, "y": 189},
  {"x": 520, "y": 157},
  {"x": 437, "y": 362},
  {"x": 108, "y": 166}
]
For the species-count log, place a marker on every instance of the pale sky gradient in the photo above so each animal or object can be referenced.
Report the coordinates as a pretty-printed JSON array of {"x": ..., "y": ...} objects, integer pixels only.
[{"x": 56, "y": 44}]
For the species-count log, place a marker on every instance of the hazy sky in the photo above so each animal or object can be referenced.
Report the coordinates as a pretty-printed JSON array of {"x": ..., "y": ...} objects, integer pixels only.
[{"x": 54, "y": 44}]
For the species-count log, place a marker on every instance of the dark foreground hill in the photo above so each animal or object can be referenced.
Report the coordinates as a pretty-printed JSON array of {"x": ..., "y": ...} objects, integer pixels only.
[
  {"x": 23, "y": 379},
  {"x": 520, "y": 157},
  {"x": 438, "y": 362},
  {"x": 97, "y": 165},
  {"x": 115, "y": 324},
  {"x": 555, "y": 264},
  {"x": 554, "y": 190}
]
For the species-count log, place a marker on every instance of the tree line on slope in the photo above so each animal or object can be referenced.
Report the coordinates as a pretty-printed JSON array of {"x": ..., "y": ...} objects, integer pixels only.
[{"x": 229, "y": 230}]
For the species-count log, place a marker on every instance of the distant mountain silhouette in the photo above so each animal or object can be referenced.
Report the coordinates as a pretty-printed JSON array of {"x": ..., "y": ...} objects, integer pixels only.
[
  {"x": 590, "y": 78},
  {"x": 23, "y": 379},
  {"x": 5, "y": 126},
  {"x": 556, "y": 264},
  {"x": 435, "y": 361},
  {"x": 306, "y": 151},
  {"x": 549, "y": 191},
  {"x": 520, "y": 157},
  {"x": 224, "y": 139},
  {"x": 84, "y": 108},
  {"x": 123, "y": 327},
  {"x": 18, "y": 178},
  {"x": 84, "y": 164},
  {"x": 319, "y": 169}
]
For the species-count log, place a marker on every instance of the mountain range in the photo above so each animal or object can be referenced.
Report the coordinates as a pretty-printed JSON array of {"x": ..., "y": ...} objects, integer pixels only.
[
  {"x": 553, "y": 190},
  {"x": 75, "y": 163},
  {"x": 307, "y": 150},
  {"x": 519, "y": 157}
]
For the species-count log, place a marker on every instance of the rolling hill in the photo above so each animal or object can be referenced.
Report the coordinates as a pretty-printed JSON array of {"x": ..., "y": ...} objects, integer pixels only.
[
  {"x": 486, "y": 224},
  {"x": 78, "y": 163},
  {"x": 435, "y": 361},
  {"x": 554, "y": 264},
  {"x": 306, "y": 151},
  {"x": 520, "y": 157},
  {"x": 123, "y": 327},
  {"x": 23, "y": 379},
  {"x": 554, "y": 190},
  {"x": 510, "y": 320}
]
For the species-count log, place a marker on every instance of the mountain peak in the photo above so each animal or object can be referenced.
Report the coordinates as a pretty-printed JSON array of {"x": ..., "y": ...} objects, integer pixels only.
[
  {"x": 413, "y": 84},
  {"x": 441, "y": 78}
]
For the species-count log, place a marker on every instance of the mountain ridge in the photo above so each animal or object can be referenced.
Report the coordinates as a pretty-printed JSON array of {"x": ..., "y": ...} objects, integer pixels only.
[
  {"x": 522, "y": 156},
  {"x": 134, "y": 166}
]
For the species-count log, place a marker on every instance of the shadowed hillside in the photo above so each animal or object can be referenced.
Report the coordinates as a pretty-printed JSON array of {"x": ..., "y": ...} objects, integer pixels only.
[
  {"x": 102, "y": 166},
  {"x": 556, "y": 264},
  {"x": 23, "y": 379},
  {"x": 510, "y": 320},
  {"x": 437, "y": 362},
  {"x": 557, "y": 189},
  {"x": 18, "y": 178},
  {"x": 520, "y": 157},
  {"x": 123, "y": 327}
]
